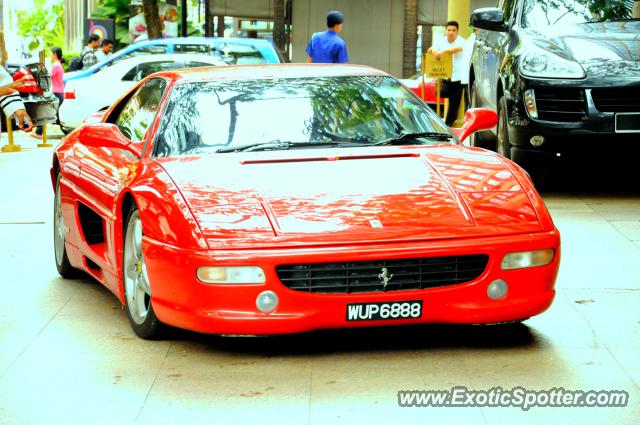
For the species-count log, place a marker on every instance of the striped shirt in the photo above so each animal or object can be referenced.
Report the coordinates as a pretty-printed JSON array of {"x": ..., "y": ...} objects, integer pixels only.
[{"x": 11, "y": 102}]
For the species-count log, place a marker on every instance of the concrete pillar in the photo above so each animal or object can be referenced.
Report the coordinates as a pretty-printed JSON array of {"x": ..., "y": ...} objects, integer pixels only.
[
  {"x": 220, "y": 26},
  {"x": 460, "y": 10},
  {"x": 426, "y": 37},
  {"x": 410, "y": 39}
]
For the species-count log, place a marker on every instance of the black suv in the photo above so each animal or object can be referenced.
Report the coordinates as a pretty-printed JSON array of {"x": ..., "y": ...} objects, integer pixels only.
[
  {"x": 562, "y": 75},
  {"x": 37, "y": 95}
]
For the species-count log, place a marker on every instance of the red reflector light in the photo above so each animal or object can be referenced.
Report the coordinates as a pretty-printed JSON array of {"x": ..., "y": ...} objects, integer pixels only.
[
  {"x": 70, "y": 94},
  {"x": 30, "y": 85}
]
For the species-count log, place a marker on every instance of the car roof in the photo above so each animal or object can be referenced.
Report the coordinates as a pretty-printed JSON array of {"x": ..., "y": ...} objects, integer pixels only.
[
  {"x": 291, "y": 70},
  {"x": 177, "y": 40},
  {"x": 196, "y": 57},
  {"x": 198, "y": 40}
]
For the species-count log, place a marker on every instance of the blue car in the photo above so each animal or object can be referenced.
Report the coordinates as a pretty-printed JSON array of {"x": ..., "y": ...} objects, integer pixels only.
[{"x": 231, "y": 50}]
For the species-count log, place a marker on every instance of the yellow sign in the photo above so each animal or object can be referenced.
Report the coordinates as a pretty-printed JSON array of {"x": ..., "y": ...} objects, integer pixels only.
[{"x": 438, "y": 67}]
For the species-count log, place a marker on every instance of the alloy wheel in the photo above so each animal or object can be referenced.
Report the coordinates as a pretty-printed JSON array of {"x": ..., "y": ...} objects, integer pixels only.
[{"x": 136, "y": 281}]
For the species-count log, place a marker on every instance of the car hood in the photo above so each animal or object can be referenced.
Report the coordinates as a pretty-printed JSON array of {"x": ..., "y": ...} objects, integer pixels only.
[
  {"x": 396, "y": 194},
  {"x": 606, "y": 49}
]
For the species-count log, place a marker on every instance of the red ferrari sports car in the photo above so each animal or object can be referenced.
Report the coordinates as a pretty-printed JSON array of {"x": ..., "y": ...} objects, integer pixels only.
[{"x": 276, "y": 199}]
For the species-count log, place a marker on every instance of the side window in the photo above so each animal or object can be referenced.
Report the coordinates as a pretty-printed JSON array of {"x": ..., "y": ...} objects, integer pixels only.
[
  {"x": 195, "y": 64},
  {"x": 142, "y": 70},
  {"x": 238, "y": 54},
  {"x": 146, "y": 50},
  {"x": 136, "y": 116},
  {"x": 193, "y": 48}
]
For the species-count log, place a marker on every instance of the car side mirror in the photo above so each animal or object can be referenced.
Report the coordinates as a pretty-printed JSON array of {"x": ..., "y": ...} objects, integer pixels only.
[
  {"x": 106, "y": 135},
  {"x": 488, "y": 18},
  {"x": 476, "y": 119}
]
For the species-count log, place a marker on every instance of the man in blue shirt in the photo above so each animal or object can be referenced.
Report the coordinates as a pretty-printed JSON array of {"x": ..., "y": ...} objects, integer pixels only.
[{"x": 327, "y": 46}]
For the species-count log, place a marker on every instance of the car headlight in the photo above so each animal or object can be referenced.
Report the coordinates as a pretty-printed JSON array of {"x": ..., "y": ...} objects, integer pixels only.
[
  {"x": 538, "y": 63},
  {"x": 231, "y": 275},
  {"x": 521, "y": 260}
]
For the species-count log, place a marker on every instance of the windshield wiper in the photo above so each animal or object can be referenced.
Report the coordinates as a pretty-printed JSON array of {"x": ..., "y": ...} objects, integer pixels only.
[
  {"x": 409, "y": 138},
  {"x": 284, "y": 145}
]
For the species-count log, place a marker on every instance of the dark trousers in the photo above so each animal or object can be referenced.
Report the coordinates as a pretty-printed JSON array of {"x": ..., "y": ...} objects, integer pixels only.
[
  {"x": 60, "y": 97},
  {"x": 455, "y": 95}
]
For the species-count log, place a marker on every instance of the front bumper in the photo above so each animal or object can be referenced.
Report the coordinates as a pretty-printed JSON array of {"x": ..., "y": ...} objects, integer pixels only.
[
  {"x": 42, "y": 109},
  {"x": 179, "y": 299},
  {"x": 591, "y": 131}
]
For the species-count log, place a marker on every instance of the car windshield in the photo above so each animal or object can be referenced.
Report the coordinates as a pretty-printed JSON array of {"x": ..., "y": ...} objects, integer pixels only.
[
  {"x": 545, "y": 13},
  {"x": 294, "y": 113}
]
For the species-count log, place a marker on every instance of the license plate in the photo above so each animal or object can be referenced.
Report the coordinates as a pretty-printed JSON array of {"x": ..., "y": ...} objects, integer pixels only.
[
  {"x": 394, "y": 310},
  {"x": 628, "y": 122}
]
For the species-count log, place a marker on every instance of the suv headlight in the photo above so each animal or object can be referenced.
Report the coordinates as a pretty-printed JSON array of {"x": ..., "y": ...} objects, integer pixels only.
[{"x": 538, "y": 63}]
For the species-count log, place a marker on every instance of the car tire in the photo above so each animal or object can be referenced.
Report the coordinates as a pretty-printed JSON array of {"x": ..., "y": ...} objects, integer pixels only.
[
  {"x": 479, "y": 139},
  {"x": 537, "y": 171},
  {"x": 503, "y": 144},
  {"x": 64, "y": 267},
  {"x": 135, "y": 281}
]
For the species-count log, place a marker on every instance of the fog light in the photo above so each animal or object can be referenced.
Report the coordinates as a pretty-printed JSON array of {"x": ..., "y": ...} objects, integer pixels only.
[
  {"x": 536, "y": 141},
  {"x": 530, "y": 103},
  {"x": 267, "y": 301},
  {"x": 521, "y": 260},
  {"x": 497, "y": 289}
]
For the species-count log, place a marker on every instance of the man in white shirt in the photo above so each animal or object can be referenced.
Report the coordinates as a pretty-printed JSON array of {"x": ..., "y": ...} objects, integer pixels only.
[{"x": 454, "y": 44}]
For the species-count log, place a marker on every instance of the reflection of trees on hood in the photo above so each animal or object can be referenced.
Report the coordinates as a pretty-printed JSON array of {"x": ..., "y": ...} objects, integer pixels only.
[
  {"x": 603, "y": 67},
  {"x": 610, "y": 10},
  {"x": 591, "y": 10}
]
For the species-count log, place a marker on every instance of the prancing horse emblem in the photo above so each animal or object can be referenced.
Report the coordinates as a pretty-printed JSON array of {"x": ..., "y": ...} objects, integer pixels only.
[{"x": 385, "y": 277}]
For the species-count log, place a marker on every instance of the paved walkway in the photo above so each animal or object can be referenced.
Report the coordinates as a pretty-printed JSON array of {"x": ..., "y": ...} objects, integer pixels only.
[{"x": 68, "y": 355}]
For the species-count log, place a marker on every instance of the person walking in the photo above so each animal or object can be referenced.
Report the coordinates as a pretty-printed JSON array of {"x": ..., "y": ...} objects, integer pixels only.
[
  {"x": 105, "y": 50},
  {"x": 57, "y": 81},
  {"x": 327, "y": 46},
  {"x": 88, "y": 54},
  {"x": 11, "y": 102},
  {"x": 454, "y": 44}
]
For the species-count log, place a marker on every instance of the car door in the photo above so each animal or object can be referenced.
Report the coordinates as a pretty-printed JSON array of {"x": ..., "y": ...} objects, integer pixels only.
[
  {"x": 103, "y": 171},
  {"x": 494, "y": 46}
]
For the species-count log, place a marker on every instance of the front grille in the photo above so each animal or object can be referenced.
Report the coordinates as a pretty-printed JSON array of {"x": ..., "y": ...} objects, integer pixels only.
[
  {"x": 618, "y": 99},
  {"x": 364, "y": 276},
  {"x": 561, "y": 104}
]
